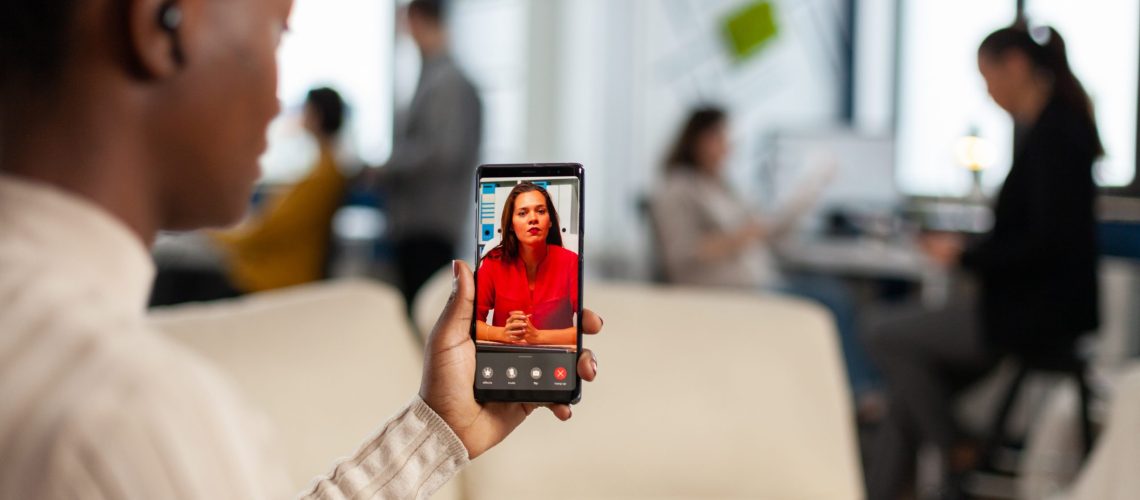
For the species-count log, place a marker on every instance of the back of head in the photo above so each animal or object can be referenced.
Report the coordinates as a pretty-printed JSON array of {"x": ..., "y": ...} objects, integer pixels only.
[
  {"x": 433, "y": 10},
  {"x": 683, "y": 154},
  {"x": 1045, "y": 49},
  {"x": 330, "y": 110},
  {"x": 33, "y": 39}
]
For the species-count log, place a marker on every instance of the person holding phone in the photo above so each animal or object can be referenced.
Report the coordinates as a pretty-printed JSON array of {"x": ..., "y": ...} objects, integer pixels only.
[
  {"x": 530, "y": 280},
  {"x": 118, "y": 119}
]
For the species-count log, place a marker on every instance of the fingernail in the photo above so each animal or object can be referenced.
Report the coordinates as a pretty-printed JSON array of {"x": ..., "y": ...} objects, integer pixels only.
[
  {"x": 594, "y": 362},
  {"x": 454, "y": 276}
]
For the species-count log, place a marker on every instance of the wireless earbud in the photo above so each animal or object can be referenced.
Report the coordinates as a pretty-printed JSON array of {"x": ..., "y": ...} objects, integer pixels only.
[{"x": 170, "y": 17}]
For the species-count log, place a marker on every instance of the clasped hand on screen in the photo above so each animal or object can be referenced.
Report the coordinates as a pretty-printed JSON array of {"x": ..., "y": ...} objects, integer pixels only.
[
  {"x": 520, "y": 329},
  {"x": 449, "y": 373}
]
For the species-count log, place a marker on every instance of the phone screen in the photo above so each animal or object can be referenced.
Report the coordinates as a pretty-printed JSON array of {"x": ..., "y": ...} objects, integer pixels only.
[{"x": 528, "y": 303}]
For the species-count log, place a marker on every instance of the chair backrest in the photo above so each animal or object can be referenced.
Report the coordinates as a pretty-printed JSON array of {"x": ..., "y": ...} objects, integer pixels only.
[
  {"x": 1110, "y": 472},
  {"x": 701, "y": 394},
  {"x": 648, "y": 207},
  {"x": 328, "y": 363}
]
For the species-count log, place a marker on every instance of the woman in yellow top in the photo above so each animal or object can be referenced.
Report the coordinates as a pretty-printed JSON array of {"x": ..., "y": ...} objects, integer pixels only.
[{"x": 288, "y": 242}]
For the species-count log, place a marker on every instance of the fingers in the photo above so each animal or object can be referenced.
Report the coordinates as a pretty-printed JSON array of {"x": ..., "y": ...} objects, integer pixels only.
[
  {"x": 515, "y": 329},
  {"x": 591, "y": 322},
  {"x": 453, "y": 326},
  {"x": 529, "y": 408},
  {"x": 587, "y": 365},
  {"x": 563, "y": 412}
]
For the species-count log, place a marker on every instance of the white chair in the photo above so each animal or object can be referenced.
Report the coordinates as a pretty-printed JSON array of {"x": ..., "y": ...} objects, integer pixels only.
[
  {"x": 1111, "y": 471},
  {"x": 327, "y": 363},
  {"x": 702, "y": 395}
]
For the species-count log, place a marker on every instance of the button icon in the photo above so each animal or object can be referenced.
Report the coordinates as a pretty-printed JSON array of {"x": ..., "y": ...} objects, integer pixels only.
[
  {"x": 488, "y": 372},
  {"x": 512, "y": 373},
  {"x": 536, "y": 373},
  {"x": 560, "y": 374}
]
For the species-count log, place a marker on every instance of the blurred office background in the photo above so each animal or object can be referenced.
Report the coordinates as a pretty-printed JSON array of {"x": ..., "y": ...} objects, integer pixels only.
[
  {"x": 885, "y": 92},
  {"x": 887, "y": 89}
]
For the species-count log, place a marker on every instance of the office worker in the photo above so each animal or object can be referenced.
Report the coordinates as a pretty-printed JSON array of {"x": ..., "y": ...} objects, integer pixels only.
[
  {"x": 119, "y": 118},
  {"x": 287, "y": 243},
  {"x": 529, "y": 279},
  {"x": 427, "y": 182},
  {"x": 1035, "y": 270},
  {"x": 284, "y": 242},
  {"x": 709, "y": 236}
]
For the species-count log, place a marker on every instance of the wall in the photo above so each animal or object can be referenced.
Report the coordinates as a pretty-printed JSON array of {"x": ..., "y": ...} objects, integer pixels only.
[{"x": 610, "y": 82}]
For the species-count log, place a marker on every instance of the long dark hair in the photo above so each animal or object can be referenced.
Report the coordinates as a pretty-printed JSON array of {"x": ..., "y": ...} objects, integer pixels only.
[
  {"x": 508, "y": 249},
  {"x": 1049, "y": 56},
  {"x": 684, "y": 152}
]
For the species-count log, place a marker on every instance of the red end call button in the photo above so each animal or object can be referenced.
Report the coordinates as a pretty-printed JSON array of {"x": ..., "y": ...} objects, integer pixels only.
[{"x": 560, "y": 374}]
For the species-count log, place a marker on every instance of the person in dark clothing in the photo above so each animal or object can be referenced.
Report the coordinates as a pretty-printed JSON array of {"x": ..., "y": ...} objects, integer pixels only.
[
  {"x": 428, "y": 181},
  {"x": 1034, "y": 272}
]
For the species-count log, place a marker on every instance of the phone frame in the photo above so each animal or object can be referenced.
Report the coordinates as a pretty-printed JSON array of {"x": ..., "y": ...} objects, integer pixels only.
[{"x": 516, "y": 170}]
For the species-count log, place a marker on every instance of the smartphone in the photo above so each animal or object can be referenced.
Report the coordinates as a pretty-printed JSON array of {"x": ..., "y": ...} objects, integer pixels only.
[{"x": 528, "y": 282}]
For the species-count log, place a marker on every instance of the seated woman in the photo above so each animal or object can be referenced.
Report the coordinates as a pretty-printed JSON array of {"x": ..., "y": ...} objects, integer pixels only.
[
  {"x": 287, "y": 243},
  {"x": 529, "y": 280},
  {"x": 709, "y": 236},
  {"x": 284, "y": 244}
]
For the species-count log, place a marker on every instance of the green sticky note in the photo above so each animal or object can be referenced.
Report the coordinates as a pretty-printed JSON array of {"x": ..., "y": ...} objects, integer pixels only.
[{"x": 749, "y": 28}]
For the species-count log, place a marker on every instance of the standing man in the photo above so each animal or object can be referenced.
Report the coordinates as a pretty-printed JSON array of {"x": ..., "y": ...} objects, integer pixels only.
[{"x": 427, "y": 181}]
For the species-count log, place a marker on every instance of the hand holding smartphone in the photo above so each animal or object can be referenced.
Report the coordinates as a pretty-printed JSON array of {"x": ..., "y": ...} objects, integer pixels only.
[
  {"x": 450, "y": 371},
  {"x": 527, "y": 323}
]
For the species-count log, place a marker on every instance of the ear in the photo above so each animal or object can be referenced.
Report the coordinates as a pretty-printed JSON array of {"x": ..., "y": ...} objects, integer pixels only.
[{"x": 154, "y": 31}]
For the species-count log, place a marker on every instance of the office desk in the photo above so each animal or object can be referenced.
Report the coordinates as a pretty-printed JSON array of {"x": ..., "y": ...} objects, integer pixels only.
[{"x": 867, "y": 258}]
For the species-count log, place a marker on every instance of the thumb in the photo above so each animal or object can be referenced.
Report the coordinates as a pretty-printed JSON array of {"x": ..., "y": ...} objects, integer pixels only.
[{"x": 454, "y": 324}]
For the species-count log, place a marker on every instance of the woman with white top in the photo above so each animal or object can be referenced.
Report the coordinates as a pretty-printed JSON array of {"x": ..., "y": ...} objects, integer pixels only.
[{"x": 709, "y": 236}]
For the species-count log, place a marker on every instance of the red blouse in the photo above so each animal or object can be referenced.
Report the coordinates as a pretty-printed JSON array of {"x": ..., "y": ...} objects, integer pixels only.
[{"x": 503, "y": 287}]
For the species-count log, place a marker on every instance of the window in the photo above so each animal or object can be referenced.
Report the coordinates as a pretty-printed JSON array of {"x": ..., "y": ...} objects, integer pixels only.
[
  {"x": 346, "y": 45},
  {"x": 1103, "y": 43},
  {"x": 943, "y": 98}
]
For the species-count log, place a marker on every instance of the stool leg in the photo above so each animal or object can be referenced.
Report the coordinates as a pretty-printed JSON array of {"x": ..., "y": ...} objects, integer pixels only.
[
  {"x": 997, "y": 429},
  {"x": 1086, "y": 401}
]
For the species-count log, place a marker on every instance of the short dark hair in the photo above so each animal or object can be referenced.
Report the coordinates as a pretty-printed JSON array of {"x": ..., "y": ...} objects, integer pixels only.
[
  {"x": 34, "y": 35},
  {"x": 435, "y": 10},
  {"x": 329, "y": 107}
]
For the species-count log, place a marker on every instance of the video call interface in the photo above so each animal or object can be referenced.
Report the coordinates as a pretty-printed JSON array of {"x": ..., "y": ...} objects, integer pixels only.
[{"x": 526, "y": 303}]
